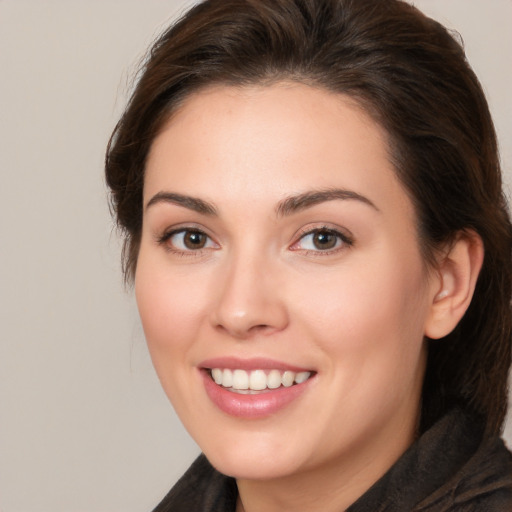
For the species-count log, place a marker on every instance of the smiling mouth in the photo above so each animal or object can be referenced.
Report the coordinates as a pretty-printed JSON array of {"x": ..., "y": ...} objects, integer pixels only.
[{"x": 256, "y": 381}]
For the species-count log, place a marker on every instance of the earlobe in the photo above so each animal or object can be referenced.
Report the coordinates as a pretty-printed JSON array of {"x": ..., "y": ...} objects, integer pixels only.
[{"x": 458, "y": 271}]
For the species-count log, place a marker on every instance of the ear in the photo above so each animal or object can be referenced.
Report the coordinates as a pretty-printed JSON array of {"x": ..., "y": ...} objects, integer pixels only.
[{"x": 453, "y": 288}]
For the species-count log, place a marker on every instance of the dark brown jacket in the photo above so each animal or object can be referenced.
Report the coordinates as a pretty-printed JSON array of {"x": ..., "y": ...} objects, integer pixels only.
[{"x": 451, "y": 468}]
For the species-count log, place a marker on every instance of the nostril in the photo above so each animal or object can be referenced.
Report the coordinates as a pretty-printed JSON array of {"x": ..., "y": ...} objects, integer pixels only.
[
  {"x": 244, "y": 332},
  {"x": 261, "y": 327}
]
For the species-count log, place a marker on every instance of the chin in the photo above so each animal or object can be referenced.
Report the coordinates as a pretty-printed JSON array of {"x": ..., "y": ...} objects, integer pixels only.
[
  {"x": 253, "y": 454},
  {"x": 249, "y": 467}
]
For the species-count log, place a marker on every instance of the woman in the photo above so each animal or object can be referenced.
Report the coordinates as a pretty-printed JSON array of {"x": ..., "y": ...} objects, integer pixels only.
[{"x": 311, "y": 198}]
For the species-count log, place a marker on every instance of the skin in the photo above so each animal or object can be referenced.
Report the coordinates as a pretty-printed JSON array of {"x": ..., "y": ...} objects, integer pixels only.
[{"x": 356, "y": 315}]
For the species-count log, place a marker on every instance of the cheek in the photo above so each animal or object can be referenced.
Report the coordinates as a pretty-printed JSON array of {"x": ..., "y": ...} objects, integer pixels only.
[
  {"x": 369, "y": 312},
  {"x": 170, "y": 306}
]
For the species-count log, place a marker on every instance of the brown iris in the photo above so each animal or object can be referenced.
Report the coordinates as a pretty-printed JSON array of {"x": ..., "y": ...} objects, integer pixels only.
[
  {"x": 324, "y": 239},
  {"x": 194, "y": 240}
]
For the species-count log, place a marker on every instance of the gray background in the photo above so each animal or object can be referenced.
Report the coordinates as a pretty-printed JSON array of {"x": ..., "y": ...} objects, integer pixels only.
[{"x": 84, "y": 425}]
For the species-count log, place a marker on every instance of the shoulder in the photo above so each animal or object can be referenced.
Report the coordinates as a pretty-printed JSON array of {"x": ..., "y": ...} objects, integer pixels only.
[
  {"x": 452, "y": 467},
  {"x": 483, "y": 484}
]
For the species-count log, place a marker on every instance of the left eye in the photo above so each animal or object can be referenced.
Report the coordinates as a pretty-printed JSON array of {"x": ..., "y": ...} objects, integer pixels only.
[
  {"x": 321, "y": 240},
  {"x": 190, "y": 240}
]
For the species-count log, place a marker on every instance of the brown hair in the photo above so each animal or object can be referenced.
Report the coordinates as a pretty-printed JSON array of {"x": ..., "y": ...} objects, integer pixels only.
[{"x": 411, "y": 75}]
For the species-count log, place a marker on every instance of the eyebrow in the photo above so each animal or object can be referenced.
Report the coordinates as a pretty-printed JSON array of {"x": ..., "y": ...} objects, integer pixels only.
[
  {"x": 294, "y": 204},
  {"x": 288, "y": 206},
  {"x": 192, "y": 203}
]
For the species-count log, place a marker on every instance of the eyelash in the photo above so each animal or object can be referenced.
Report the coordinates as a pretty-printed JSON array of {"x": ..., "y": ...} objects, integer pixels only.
[
  {"x": 343, "y": 241},
  {"x": 166, "y": 237}
]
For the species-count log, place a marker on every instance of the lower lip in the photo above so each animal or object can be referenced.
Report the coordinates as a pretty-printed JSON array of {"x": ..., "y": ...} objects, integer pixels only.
[{"x": 254, "y": 406}]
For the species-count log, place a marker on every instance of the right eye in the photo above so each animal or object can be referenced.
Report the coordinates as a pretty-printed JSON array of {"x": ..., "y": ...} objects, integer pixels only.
[{"x": 187, "y": 240}]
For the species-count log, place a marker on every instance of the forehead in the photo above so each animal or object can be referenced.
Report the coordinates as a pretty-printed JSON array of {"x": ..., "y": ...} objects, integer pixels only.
[
  {"x": 269, "y": 141},
  {"x": 290, "y": 107}
]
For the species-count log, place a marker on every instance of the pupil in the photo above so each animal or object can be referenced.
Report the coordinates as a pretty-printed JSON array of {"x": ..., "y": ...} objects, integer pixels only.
[
  {"x": 324, "y": 240},
  {"x": 194, "y": 240}
]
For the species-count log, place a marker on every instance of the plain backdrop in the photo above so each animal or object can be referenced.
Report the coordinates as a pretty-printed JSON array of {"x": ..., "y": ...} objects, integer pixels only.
[{"x": 84, "y": 426}]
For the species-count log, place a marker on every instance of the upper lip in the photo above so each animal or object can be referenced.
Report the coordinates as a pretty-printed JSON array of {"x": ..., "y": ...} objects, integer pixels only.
[{"x": 257, "y": 363}]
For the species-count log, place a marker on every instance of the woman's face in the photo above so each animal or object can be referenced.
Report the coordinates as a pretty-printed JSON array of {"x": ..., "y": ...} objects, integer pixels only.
[{"x": 279, "y": 252}]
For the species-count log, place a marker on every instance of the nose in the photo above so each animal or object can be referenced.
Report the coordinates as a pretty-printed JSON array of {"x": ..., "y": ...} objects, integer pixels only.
[{"x": 249, "y": 299}]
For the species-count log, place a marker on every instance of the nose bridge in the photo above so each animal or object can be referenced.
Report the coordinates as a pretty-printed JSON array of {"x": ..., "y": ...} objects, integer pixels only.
[{"x": 248, "y": 300}]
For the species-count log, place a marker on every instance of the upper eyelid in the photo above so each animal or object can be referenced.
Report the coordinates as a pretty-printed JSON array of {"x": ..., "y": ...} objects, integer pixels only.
[
  {"x": 177, "y": 228},
  {"x": 345, "y": 235},
  {"x": 164, "y": 238},
  {"x": 342, "y": 232}
]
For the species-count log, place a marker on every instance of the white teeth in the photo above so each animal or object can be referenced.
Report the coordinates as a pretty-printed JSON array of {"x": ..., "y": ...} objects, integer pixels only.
[
  {"x": 302, "y": 377},
  {"x": 227, "y": 378},
  {"x": 217, "y": 375},
  {"x": 287, "y": 379},
  {"x": 274, "y": 379},
  {"x": 257, "y": 380},
  {"x": 240, "y": 379}
]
